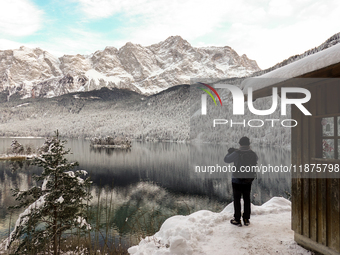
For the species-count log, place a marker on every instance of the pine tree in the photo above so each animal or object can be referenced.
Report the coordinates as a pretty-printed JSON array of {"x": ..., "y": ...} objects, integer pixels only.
[{"x": 55, "y": 207}]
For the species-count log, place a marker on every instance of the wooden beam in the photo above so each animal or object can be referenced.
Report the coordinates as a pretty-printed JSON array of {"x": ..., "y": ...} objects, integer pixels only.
[{"x": 311, "y": 245}]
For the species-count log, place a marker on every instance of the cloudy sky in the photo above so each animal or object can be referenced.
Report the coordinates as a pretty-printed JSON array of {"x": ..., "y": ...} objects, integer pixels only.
[{"x": 267, "y": 31}]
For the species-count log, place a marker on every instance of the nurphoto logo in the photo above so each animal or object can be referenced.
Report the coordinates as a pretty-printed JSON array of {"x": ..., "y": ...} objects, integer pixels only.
[
  {"x": 238, "y": 99},
  {"x": 204, "y": 97}
]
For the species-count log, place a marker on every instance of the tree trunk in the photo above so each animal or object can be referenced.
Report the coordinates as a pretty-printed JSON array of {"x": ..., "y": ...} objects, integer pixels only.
[{"x": 55, "y": 238}]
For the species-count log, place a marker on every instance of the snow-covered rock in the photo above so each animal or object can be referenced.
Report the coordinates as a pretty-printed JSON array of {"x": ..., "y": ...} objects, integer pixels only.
[
  {"x": 148, "y": 70},
  {"x": 205, "y": 232}
]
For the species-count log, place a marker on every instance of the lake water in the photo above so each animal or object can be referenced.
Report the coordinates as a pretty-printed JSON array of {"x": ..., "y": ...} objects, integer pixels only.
[{"x": 135, "y": 191}]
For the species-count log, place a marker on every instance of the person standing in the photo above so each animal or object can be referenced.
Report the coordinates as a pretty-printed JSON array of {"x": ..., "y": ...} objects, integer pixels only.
[{"x": 241, "y": 180}]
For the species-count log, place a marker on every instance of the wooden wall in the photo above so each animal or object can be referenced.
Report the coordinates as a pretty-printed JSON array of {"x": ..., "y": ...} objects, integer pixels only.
[{"x": 315, "y": 202}]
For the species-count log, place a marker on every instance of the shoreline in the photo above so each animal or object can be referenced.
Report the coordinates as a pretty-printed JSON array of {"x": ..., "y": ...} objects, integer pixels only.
[
  {"x": 14, "y": 157},
  {"x": 194, "y": 141}
]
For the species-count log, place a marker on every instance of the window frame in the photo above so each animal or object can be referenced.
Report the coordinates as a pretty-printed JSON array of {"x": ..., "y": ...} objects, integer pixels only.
[{"x": 320, "y": 137}]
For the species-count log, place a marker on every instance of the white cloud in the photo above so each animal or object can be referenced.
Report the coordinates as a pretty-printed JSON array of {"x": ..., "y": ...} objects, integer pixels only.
[
  {"x": 8, "y": 44},
  {"x": 78, "y": 41},
  {"x": 149, "y": 21},
  {"x": 268, "y": 31},
  {"x": 19, "y": 18},
  {"x": 105, "y": 8},
  {"x": 308, "y": 27},
  {"x": 280, "y": 8}
]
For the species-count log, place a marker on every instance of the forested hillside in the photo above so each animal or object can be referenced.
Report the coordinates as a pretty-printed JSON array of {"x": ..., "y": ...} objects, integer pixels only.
[
  {"x": 172, "y": 115},
  {"x": 100, "y": 113}
]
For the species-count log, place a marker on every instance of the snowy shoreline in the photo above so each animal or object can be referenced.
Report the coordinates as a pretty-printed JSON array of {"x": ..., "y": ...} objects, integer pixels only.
[
  {"x": 14, "y": 157},
  {"x": 205, "y": 232},
  {"x": 23, "y": 137},
  {"x": 287, "y": 147}
]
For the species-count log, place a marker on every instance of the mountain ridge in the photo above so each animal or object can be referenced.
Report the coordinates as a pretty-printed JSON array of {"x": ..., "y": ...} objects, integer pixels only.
[{"x": 146, "y": 70}]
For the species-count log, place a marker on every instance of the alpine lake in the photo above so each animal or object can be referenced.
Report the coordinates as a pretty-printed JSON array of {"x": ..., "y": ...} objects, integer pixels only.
[{"x": 134, "y": 191}]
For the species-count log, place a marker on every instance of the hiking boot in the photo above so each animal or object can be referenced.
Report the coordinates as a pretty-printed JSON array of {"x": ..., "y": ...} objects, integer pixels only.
[
  {"x": 236, "y": 222},
  {"x": 246, "y": 222}
]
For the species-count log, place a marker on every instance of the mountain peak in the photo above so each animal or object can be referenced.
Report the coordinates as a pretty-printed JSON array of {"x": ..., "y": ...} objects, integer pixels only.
[
  {"x": 176, "y": 38},
  {"x": 26, "y": 49},
  {"x": 110, "y": 48},
  {"x": 176, "y": 41},
  {"x": 23, "y": 48},
  {"x": 129, "y": 44}
]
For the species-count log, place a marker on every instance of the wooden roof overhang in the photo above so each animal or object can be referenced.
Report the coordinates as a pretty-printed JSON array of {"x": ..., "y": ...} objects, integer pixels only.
[{"x": 332, "y": 71}]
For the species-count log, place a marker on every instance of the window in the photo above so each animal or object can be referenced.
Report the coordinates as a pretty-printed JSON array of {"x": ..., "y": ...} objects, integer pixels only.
[{"x": 330, "y": 138}]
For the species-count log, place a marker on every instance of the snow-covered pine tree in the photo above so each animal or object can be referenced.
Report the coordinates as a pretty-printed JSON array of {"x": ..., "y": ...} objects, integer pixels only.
[{"x": 56, "y": 207}]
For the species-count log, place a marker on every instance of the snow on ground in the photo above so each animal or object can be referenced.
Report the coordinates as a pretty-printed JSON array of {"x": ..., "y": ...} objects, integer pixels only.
[{"x": 205, "y": 232}]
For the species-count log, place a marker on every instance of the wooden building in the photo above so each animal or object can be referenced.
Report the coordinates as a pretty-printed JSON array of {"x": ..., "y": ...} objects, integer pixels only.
[{"x": 315, "y": 140}]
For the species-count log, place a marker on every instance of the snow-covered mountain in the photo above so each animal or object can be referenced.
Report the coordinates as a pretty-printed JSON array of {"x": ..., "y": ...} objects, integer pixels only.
[{"x": 146, "y": 70}]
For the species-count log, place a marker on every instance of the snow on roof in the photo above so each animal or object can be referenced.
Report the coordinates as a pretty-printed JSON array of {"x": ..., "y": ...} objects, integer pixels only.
[
  {"x": 305, "y": 65},
  {"x": 205, "y": 232}
]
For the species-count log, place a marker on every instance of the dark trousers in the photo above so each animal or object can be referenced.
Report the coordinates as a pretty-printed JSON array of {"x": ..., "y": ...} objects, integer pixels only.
[{"x": 244, "y": 190}]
